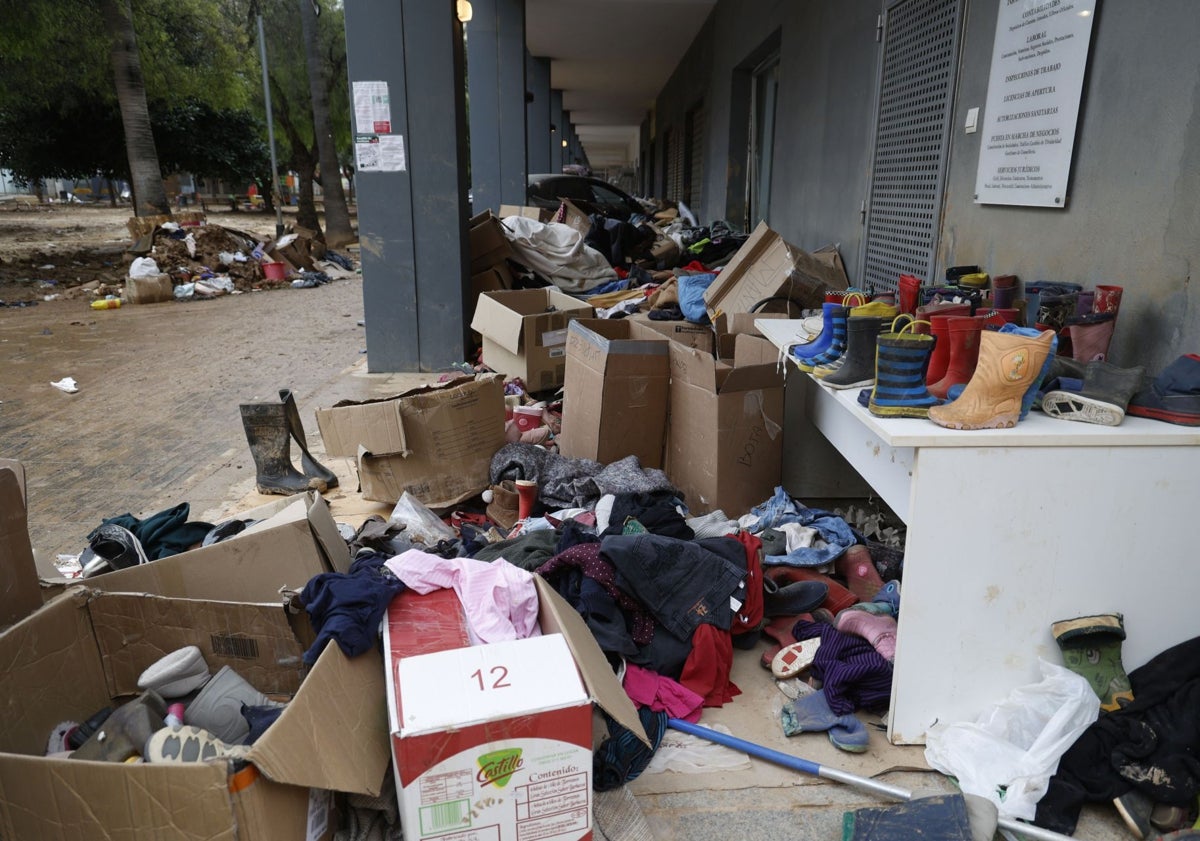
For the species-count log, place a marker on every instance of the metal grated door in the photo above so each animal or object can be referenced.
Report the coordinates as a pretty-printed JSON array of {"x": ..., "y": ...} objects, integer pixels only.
[
  {"x": 693, "y": 157},
  {"x": 920, "y": 48}
]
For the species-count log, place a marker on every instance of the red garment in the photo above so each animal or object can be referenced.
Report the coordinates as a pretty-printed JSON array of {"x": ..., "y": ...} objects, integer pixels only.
[
  {"x": 751, "y": 614},
  {"x": 706, "y": 671},
  {"x": 661, "y": 694},
  {"x": 697, "y": 266}
]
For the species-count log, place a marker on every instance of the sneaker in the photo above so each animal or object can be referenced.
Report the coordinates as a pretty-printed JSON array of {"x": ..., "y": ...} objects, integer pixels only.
[
  {"x": 188, "y": 743},
  {"x": 112, "y": 547}
]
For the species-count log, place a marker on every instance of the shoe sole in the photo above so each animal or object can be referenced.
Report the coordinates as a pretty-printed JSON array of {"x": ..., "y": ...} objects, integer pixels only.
[
  {"x": 1005, "y": 421},
  {"x": 840, "y": 386},
  {"x": 898, "y": 411},
  {"x": 1163, "y": 415},
  {"x": 1066, "y": 405}
]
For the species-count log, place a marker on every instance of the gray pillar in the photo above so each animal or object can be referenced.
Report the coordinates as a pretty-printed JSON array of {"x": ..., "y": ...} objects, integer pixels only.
[
  {"x": 558, "y": 132},
  {"x": 413, "y": 222},
  {"x": 537, "y": 114},
  {"x": 496, "y": 75}
]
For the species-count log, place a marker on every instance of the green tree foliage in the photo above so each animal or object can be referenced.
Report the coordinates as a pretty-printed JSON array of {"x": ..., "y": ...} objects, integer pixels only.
[
  {"x": 291, "y": 96},
  {"x": 58, "y": 102}
]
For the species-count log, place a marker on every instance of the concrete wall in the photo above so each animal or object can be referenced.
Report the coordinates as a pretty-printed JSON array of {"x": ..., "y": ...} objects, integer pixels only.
[
  {"x": 828, "y": 64},
  {"x": 1133, "y": 212}
]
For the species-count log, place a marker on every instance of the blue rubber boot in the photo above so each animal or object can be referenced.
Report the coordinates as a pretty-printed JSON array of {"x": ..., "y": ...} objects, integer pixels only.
[
  {"x": 837, "y": 342},
  {"x": 823, "y": 339}
]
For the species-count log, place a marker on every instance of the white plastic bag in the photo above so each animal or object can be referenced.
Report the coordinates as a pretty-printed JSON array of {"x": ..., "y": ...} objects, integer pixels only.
[
  {"x": 420, "y": 524},
  {"x": 1009, "y": 754},
  {"x": 144, "y": 267}
]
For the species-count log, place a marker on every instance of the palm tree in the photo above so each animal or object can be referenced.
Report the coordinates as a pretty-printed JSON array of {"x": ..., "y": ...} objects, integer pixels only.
[
  {"x": 150, "y": 197},
  {"x": 337, "y": 216}
]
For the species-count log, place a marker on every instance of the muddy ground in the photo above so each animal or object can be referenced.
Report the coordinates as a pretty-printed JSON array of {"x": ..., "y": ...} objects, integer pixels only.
[
  {"x": 52, "y": 249},
  {"x": 155, "y": 421}
]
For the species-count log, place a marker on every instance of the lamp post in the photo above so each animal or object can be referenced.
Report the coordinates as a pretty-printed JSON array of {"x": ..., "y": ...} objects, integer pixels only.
[{"x": 262, "y": 52}]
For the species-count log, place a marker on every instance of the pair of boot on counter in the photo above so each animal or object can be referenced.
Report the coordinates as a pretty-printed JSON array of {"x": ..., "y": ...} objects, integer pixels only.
[{"x": 270, "y": 430}]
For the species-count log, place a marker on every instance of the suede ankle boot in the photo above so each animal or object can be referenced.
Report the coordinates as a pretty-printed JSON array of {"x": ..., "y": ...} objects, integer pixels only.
[
  {"x": 269, "y": 436},
  {"x": 1103, "y": 399},
  {"x": 312, "y": 468},
  {"x": 1009, "y": 365}
]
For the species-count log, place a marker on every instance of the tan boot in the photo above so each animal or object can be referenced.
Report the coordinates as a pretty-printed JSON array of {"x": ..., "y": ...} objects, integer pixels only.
[{"x": 1008, "y": 364}]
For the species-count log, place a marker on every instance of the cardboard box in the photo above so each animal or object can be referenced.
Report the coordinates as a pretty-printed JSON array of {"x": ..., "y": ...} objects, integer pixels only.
[
  {"x": 525, "y": 333},
  {"x": 765, "y": 266},
  {"x": 436, "y": 441},
  {"x": 617, "y": 385},
  {"x": 541, "y": 214},
  {"x": 488, "y": 244},
  {"x": 698, "y": 336},
  {"x": 149, "y": 290},
  {"x": 574, "y": 218},
  {"x": 497, "y": 278},
  {"x": 83, "y": 651},
  {"x": 737, "y": 324},
  {"x": 495, "y": 741},
  {"x": 725, "y": 433},
  {"x": 293, "y": 540},
  {"x": 20, "y": 593}
]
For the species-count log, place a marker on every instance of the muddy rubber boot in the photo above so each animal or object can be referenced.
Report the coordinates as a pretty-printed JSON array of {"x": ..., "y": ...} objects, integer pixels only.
[
  {"x": 964, "y": 353},
  {"x": 1091, "y": 648},
  {"x": 313, "y": 469},
  {"x": 1103, "y": 399},
  {"x": 267, "y": 431},
  {"x": 1010, "y": 364}
]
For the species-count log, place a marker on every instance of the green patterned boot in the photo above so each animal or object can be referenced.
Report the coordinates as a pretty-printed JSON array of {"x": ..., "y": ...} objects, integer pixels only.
[{"x": 1091, "y": 647}]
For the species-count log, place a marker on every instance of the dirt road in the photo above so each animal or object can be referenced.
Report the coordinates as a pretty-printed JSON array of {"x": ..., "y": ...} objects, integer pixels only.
[{"x": 156, "y": 420}]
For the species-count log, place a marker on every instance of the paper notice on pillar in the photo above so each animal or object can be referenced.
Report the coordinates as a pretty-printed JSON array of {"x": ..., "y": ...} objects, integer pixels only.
[
  {"x": 372, "y": 107},
  {"x": 379, "y": 153}
]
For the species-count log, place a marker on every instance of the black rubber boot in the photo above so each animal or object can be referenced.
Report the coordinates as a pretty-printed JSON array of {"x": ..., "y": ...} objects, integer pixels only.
[
  {"x": 862, "y": 335},
  {"x": 1103, "y": 399},
  {"x": 267, "y": 431},
  {"x": 313, "y": 469}
]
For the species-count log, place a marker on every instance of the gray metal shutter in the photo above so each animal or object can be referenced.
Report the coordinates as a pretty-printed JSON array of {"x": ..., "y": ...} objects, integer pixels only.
[
  {"x": 920, "y": 48},
  {"x": 675, "y": 166},
  {"x": 693, "y": 175}
]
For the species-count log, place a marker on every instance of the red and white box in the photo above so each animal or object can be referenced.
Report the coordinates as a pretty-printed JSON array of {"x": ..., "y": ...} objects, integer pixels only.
[{"x": 494, "y": 742}]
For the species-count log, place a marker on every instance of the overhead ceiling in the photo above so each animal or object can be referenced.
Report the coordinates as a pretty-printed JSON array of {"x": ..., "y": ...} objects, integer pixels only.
[{"x": 610, "y": 58}]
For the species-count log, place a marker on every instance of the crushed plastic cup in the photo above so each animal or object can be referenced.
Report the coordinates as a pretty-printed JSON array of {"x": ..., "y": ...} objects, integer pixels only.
[{"x": 66, "y": 384}]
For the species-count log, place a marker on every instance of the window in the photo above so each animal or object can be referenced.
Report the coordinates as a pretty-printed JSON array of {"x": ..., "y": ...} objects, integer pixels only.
[{"x": 764, "y": 93}]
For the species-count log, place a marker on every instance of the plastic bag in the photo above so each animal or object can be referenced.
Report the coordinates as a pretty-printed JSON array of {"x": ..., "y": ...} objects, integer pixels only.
[
  {"x": 144, "y": 267},
  {"x": 420, "y": 524},
  {"x": 1009, "y": 754}
]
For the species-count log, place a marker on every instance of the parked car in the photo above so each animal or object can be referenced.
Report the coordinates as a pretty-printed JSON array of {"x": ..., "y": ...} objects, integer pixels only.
[{"x": 591, "y": 195}]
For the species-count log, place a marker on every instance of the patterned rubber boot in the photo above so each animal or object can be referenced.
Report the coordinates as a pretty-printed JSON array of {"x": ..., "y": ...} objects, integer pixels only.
[
  {"x": 837, "y": 342},
  {"x": 900, "y": 369},
  {"x": 1009, "y": 365},
  {"x": 821, "y": 342},
  {"x": 1091, "y": 647}
]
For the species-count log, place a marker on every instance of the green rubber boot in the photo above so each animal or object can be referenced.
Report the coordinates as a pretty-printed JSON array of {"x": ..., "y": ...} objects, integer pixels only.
[{"x": 1091, "y": 647}]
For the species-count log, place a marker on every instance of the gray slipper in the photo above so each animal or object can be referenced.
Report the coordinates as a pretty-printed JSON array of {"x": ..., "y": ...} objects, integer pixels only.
[{"x": 177, "y": 674}]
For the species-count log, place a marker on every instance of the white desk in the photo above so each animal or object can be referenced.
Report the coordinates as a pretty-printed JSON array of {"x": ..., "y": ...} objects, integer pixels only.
[{"x": 1008, "y": 531}]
